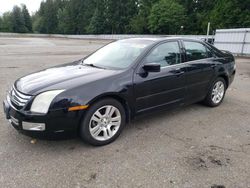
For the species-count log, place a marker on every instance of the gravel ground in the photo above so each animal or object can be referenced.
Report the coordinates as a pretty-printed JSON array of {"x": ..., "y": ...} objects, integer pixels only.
[{"x": 195, "y": 146}]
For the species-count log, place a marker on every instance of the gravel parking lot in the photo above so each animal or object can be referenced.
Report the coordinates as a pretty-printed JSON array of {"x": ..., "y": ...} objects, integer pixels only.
[{"x": 195, "y": 146}]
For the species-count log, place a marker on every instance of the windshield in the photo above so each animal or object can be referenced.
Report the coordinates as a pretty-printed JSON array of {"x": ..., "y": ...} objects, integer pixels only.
[{"x": 118, "y": 55}]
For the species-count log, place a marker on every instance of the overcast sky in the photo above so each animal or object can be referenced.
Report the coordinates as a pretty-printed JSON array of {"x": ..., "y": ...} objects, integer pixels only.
[{"x": 7, "y": 5}]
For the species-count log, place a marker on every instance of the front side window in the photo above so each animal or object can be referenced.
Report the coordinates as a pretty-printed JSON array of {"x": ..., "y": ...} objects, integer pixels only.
[
  {"x": 196, "y": 51},
  {"x": 165, "y": 54}
]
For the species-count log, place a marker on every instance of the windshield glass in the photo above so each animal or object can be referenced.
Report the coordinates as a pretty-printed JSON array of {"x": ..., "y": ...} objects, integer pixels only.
[{"x": 118, "y": 55}]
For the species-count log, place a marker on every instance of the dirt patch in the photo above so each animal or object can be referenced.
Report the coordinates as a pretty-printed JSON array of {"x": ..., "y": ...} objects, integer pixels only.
[
  {"x": 92, "y": 177},
  {"x": 207, "y": 160},
  {"x": 72, "y": 148},
  {"x": 218, "y": 186},
  {"x": 9, "y": 67}
]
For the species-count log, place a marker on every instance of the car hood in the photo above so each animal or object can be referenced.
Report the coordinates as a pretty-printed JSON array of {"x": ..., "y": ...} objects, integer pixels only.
[{"x": 61, "y": 77}]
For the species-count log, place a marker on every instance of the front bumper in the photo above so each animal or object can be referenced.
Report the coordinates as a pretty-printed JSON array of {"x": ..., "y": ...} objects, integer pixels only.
[
  {"x": 231, "y": 79},
  {"x": 58, "y": 122}
]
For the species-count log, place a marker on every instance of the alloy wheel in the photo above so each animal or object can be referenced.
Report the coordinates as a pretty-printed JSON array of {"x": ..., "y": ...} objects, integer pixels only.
[
  {"x": 105, "y": 123},
  {"x": 218, "y": 92}
]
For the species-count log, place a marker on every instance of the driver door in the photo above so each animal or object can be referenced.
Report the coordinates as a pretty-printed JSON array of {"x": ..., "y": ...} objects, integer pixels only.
[{"x": 161, "y": 89}]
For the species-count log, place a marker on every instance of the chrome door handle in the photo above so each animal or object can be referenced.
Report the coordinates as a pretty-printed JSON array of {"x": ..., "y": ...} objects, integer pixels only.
[{"x": 179, "y": 72}]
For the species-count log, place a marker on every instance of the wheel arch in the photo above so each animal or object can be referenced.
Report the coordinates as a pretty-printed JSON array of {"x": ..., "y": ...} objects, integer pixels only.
[
  {"x": 117, "y": 97},
  {"x": 225, "y": 77}
]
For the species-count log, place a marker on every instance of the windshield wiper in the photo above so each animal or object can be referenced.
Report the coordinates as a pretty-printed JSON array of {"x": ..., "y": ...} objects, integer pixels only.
[{"x": 91, "y": 65}]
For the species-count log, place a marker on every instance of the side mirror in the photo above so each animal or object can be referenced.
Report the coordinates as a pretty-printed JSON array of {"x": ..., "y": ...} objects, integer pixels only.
[{"x": 152, "y": 67}]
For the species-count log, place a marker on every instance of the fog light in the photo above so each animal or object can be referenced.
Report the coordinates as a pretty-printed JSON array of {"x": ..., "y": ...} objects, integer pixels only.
[{"x": 33, "y": 126}]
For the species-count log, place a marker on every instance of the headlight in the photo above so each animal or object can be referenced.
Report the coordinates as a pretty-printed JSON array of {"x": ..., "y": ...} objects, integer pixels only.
[{"x": 42, "y": 101}]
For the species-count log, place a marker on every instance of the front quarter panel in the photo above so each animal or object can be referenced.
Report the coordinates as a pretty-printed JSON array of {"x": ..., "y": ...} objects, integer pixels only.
[{"x": 119, "y": 85}]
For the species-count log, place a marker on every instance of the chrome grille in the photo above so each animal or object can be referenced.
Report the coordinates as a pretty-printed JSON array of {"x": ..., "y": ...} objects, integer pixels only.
[{"x": 19, "y": 99}]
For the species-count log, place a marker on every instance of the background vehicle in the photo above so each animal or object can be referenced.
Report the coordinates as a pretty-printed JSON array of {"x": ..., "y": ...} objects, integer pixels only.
[{"x": 97, "y": 95}]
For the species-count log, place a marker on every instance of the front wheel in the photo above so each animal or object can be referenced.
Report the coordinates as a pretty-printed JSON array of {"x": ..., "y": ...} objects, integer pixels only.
[
  {"x": 103, "y": 122},
  {"x": 216, "y": 93}
]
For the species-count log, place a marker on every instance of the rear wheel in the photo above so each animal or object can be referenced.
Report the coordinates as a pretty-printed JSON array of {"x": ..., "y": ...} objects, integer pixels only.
[
  {"x": 103, "y": 122},
  {"x": 216, "y": 93}
]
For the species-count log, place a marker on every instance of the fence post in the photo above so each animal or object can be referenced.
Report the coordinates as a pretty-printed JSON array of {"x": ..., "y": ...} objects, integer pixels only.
[{"x": 244, "y": 42}]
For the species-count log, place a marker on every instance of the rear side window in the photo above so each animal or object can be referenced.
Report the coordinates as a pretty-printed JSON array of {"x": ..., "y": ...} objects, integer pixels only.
[
  {"x": 196, "y": 51},
  {"x": 165, "y": 54}
]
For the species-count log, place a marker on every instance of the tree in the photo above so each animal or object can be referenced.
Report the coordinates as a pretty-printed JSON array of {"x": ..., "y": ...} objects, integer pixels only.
[
  {"x": 47, "y": 17},
  {"x": 18, "y": 24},
  {"x": 230, "y": 14},
  {"x": 97, "y": 22},
  {"x": 166, "y": 17},
  {"x": 118, "y": 15},
  {"x": 129, "y": 16},
  {"x": 63, "y": 21},
  {"x": 111, "y": 12},
  {"x": 26, "y": 18},
  {"x": 1, "y": 24},
  {"x": 7, "y": 22},
  {"x": 202, "y": 10},
  {"x": 139, "y": 23}
]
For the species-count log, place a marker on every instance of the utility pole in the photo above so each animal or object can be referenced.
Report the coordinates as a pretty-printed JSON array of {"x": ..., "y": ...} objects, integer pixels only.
[{"x": 208, "y": 29}]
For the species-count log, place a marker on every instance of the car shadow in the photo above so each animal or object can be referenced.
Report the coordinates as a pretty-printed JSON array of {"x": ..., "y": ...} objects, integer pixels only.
[
  {"x": 168, "y": 113},
  {"x": 139, "y": 123}
]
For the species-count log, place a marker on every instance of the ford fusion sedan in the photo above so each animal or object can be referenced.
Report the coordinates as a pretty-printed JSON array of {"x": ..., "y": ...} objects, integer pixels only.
[{"x": 96, "y": 96}]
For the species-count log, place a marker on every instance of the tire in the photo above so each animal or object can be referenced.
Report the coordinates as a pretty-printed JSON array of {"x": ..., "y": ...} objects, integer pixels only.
[
  {"x": 210, "y": 98},
  {"x": 100, "y": 128}
]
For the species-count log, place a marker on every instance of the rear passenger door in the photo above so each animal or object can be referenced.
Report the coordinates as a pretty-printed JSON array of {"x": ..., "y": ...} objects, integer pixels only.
[{"x": 199, "y": 70}]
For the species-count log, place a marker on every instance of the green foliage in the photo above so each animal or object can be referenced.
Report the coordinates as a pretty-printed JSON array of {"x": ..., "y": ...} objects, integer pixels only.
[
  {"x": 238, "y": 16},
  {"x": 166, "y": 17},
  {"x": 139, "y": 23},
  {"x": 17, "y": 21},
  {"x": 37, "y": 23},
  {"x": 196, "y": 15},
  {"x": 26, "y": 18},
  {"x": 18, "y": 24},
  {"x": 1, "y": 23},
  {"x": 97, "y": 22},
  {"x": 6, "y": 25},
  {"x": 63, "y": 21},
  {"x": 48, "y": 14},
  {"x": 128, "y": 16}
]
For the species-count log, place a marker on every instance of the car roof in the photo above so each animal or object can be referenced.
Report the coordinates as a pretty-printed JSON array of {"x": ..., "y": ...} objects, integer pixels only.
[{"x": 159, "y": 39}]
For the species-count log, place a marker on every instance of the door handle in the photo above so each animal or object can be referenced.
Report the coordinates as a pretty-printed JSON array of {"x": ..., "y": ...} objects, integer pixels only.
[
  {"x": 179, "y": 72},
  {"x": 213, "y": 66}
]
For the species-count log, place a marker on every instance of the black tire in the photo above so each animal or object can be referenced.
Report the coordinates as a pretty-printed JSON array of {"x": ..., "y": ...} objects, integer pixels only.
[
  {"x": 208, "y": 100},
  {"x": 84, "y": 127}
]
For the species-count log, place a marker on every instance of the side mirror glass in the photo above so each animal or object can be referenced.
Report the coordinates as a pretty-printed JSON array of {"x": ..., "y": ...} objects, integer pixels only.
[{"x": 152, "y": 67}]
